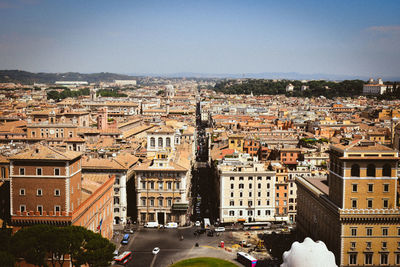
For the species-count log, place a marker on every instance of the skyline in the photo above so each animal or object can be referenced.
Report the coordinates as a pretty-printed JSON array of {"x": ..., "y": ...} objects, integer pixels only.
[{"x": 360, "y": 38}]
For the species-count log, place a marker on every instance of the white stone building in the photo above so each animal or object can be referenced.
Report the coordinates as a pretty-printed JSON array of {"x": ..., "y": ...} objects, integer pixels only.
[
  {"x": 375, "y": 87},
  {"x": 247, "y": 190}
]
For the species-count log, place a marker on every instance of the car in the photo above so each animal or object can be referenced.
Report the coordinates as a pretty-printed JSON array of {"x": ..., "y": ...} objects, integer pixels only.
[
  {"x": 155, "y": 250},
  {"x": 197, "y": 223},
  {"x": 171, "y": 225},
  {"x": 220, "y": 229},
  {"x": 152, "y": 225},
  {"x": 115, "y": 254},
  {"x": 201, "y": 231},
  {"x": 210, "y": 233}
]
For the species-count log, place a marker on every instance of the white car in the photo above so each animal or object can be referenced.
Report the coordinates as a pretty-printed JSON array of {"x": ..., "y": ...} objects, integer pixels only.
[
  {"x": 220, "y": 229},
  {"x": 197, "y": 224},
  {"x": 156, "y": 250},
  {"x": 171, "y": 225}
]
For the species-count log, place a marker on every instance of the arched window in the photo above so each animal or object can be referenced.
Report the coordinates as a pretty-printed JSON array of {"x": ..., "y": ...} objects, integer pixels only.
[
  {"x": 387, "y": 170},
  {"x": 160, "y": 142},
  {"x": 152, "y": 142},
  {"x": 355, "y": 170},
  {"x": 371, "y": 170},
  {"x": 168, "y": 142}
]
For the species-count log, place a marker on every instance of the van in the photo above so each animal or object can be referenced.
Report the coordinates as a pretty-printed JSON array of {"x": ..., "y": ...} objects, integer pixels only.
[
  {"x": 151, "y": 225},
  {"x": 125, "y": 239},
  {"x": 171, "y": 225}
]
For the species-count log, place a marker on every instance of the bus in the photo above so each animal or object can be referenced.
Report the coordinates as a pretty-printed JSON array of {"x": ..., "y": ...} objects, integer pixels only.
[
  {"x": 246, "y": 259},
  {"x": 125, "y": 239},
  {"x": 123, "y": 258},
  {"x": 256, "y": 225}
]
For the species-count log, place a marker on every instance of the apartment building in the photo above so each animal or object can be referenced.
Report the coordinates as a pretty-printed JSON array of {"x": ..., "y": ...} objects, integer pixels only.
[
  {"x": 247, "y": 190},
  {"x": 354, "y": 211},
  {"x": 162, "y": 188}
]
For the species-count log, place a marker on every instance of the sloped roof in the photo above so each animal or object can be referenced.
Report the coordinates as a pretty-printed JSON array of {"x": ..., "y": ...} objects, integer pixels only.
[{"x": 44, "y": 152}]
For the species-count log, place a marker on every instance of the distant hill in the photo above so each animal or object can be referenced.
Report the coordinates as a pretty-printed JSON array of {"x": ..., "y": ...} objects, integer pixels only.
[{"x": 25, "y": 77}]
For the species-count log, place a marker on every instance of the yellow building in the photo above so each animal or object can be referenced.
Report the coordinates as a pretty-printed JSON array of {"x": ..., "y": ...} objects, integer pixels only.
[
  {"x": 354, "y": 212},
  {"x": 236, "y": 142}
]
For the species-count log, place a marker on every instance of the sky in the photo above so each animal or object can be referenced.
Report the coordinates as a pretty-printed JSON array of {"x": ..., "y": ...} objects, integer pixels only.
[{"x": 349, "y": 37}]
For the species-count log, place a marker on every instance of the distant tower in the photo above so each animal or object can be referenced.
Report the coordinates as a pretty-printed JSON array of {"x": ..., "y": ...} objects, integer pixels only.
[
  {"x": 169, "y": 91},
  {"x": 371, "y": 81},
  {"x": 93, "y": 95},
  {"x": 102, "y": 119},
  {"x": 167, "y": 107}
]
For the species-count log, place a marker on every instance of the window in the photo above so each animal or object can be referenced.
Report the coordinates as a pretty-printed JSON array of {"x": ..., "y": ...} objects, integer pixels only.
[
  {"x": 385, "y": 203},
  {"x": 231, "y": 213},
  {"x": 40, "y": 209},
  {"x": 22, "y": 208},
  {"x": 143, "y": 185},
  {"x": 397, "y": 258},
  {"x": 240, "y": 194},
  {"x": 355, "y": 170},
  {"x": 169, "y": 185},
  {"x": 21, "y": 171},
  {"x": 169, "y": 202},
  {"x": 384, "y": 245},
  {"x": 57, "y": 192},
  {"x": 368, "y": 245},
  {"x": 232, "y": 186},
  {"x": 384, "y": 258},
  {"x": 160, "y": 185},
  {"x": 385, "y": 231},
  {"x": 250, "y": 178},
  {"x": 370, "y": 187},
  {"x": 178, "y": 185},
  {"x": 241, "y": 186},
  {"x": 387, "y": 170},
  {"x": 232, "y": 194},
  {"x": 232, "y": 178},
  {"x": 250, "y": 186},
  {"x": 38, "y": 171},
  {"x": 354, "y": 203},
  {"x": 231, "y": 203},
  {"x": 353, "y": 244},
  {"x": 250, "y": 203},
  {"x": 259, "y": 186},
  {"x": 57, "y": 208},
  {"x": 152, "y": 202},
  {"x": 143, "y": 202},
  {"x": 259, "y": 194},
  {"x": 168, "y": 142},
  {"x": 160, "y": 202},
  {"x": 369, "y": 203},
  {"x": 56, "y": 171},
  {"x": 240, "y": 213},
  {"x": 151, "y": 185},
  {"x": 152, "y": 142},
  {"x": 353, "y": 231},
  {"x": 258, "y": 212},
  {"x": 385, "y": 188},
  {"x": 368, "y": 258},
  {"x": 369, "y": 231},
  {"x": 160, "y": 142},
  {"x": 353, "y": 258},
  {"x": 22, "y": 192},
  {"x": 267, "y": 212},
  {"x": 3, "y": 172},
  {"x": 39, "y": 192},
  {"x": 398, "y": 232},
  {"x": 371, "y": 170},
  {"x": 240, "y": 202},
  {"x": 250, "y": 194},
  {"x": 354, "y": 187}
]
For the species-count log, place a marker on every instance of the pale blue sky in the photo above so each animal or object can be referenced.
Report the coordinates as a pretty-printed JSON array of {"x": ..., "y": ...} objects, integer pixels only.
[{"x": 353, "y": 37}]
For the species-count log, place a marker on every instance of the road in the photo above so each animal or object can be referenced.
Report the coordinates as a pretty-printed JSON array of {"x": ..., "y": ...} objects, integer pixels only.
[{"x": 172, "y": 249}]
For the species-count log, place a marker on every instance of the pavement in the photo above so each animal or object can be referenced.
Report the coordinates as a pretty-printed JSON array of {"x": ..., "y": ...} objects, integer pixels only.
[{"x": 173, "y": 249}]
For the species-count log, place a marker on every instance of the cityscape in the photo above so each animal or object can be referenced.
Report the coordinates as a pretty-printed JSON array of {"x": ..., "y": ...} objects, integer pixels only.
[{"x": 192, "y": 134}]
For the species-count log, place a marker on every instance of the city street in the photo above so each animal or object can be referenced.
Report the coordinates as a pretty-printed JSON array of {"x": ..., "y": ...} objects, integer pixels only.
[{"x": 172, "y": 249}]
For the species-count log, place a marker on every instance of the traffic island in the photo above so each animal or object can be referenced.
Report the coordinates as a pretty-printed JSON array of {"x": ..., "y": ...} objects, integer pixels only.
[{"x": 204, "y": 262}]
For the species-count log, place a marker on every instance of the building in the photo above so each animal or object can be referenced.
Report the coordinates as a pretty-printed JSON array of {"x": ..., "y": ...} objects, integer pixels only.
[
  {"x": 163, "y": 138},
  {"x": 46, "y": 187},
  {"x": 375, "y": 87},
  {"x": 354, "y": 211},
  {"x": 162, "y": 188},
  {"x": 247, "y": 189},
  {"x": 289, "y": 87},
  {"x": 125, "y": 82}
]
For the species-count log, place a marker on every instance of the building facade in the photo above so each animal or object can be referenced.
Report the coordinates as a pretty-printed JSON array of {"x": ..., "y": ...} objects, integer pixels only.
[{"x": 355, "y": 211}]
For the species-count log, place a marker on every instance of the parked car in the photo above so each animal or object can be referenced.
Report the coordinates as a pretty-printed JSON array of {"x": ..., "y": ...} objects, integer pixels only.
[
  {"x": 171, "y": 225},
  {"x": 210, "y": 233},
  {"x": 151, "y": 225},
  {"x": 197, "y": 223},
  {"x": 220, "y": 229},
  {"x": 156, "y": 250}
]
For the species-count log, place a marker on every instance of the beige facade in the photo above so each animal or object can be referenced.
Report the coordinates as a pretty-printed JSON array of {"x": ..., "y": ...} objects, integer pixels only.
[{"x": 355, "y": 211}]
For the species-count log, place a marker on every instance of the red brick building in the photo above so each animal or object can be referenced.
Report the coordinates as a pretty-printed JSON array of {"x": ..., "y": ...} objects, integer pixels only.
[{"x": 47, "y": 187}]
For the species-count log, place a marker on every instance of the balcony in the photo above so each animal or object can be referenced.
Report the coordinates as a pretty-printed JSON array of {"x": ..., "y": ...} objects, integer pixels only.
[{"x": 180, "y": 206}]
